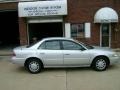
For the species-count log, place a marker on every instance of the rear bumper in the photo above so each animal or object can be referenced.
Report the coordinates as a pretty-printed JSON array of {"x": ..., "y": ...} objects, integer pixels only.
[{"x": 19, "y": 61}]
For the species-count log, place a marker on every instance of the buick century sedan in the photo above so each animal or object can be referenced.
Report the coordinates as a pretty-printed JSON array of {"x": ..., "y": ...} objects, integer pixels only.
[{"x": 62, "y": 52}]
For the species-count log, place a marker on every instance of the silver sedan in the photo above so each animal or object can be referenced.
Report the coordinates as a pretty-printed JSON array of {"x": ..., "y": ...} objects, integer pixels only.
[{"x": 62, "y": 52}]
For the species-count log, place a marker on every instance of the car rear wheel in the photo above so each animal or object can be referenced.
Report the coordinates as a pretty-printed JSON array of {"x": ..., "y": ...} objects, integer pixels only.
[
  {"x": 34, "y": 66},
  {"x": 100, "y": 63}
]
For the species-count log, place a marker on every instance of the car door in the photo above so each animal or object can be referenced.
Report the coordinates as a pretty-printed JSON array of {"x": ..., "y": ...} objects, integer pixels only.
[
  {"x": 74, "y": 54},
  {"x": 50, "y": 52}
]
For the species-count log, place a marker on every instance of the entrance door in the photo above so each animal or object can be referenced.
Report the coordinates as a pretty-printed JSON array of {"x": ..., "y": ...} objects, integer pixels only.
[{"x": 105, "y": 35}]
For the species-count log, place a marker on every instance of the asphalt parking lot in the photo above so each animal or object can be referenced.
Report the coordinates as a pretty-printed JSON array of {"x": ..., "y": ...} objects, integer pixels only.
[{"x": 13, "y": 77}]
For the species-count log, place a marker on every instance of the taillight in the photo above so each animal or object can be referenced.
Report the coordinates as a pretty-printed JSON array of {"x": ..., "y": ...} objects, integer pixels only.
[{"x": 13, "y": 54}]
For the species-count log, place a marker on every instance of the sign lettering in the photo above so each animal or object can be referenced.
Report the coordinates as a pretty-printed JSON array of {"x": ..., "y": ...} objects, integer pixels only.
[{"x": 42, "y": 8}]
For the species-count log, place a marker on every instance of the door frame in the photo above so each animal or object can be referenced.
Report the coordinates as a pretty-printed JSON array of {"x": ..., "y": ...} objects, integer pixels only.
[
  {"x": 109, "y": 34},
  {"x": 49, "y": 19}
]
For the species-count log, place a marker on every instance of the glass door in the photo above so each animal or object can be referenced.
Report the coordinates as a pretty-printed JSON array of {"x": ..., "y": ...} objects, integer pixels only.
[{"x": 105, "y": 35}]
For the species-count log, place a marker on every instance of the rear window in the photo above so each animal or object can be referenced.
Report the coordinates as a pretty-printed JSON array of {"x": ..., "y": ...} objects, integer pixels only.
[{"x": 50, "y": 45}]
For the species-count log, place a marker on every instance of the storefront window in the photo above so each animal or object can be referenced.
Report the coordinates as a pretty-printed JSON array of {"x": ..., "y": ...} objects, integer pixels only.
[{"x": 77, "y": 31}]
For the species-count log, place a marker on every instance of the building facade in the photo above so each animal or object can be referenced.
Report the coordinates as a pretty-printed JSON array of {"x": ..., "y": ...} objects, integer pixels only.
[{"x": 94, "y": 22}]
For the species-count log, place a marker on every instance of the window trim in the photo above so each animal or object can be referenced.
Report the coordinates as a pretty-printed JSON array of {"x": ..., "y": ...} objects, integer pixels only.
[
  {"x": 48, "y": 41},
  {"x": 62, "y": 48},
  {"x": 61, "y": 44}
]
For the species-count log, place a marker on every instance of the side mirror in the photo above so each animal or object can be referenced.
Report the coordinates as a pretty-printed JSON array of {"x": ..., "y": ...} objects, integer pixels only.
[{"x": 82, "y": 49}]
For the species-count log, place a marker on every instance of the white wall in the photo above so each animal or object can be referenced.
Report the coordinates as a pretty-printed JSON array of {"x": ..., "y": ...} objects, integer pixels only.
[
  {"x": 87, "y": 30},
  {"x": 67, "y": 30}
]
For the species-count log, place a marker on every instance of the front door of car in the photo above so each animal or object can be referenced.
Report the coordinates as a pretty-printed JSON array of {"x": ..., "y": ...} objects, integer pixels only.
[
  {"x": 50, "y": 53},
  {"x": 74, "y": 54}
]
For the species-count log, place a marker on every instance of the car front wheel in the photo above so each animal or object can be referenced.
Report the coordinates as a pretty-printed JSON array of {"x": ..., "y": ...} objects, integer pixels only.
[
  {"x": 100, "y": 63},
  {"x": 34, "y": 66}
]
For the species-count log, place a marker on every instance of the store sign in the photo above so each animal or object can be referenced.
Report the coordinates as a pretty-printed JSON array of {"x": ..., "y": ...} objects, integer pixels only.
[
  {"x": 42, "y": 8},
  {"x": 109, "y": 20},
  {"x": 106, "y": 20}
]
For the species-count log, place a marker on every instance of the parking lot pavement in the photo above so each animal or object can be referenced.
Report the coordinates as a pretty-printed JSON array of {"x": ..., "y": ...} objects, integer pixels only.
[
  {"x": 13, "y": 77},
  {"x": 92, "y": 80}
]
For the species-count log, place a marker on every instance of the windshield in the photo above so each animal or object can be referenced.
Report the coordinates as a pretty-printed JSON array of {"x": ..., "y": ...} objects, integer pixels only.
[{"x": 87, "y": 46}]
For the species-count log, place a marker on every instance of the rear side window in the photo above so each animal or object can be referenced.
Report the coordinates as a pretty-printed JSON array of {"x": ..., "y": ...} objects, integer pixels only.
[{"x": 50, "y": 45}]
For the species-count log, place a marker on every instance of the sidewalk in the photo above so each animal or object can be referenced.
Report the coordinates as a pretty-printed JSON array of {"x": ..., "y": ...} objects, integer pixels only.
[
  {"x": 6, "y": 52},
  {"x": 15, "y": 77}
]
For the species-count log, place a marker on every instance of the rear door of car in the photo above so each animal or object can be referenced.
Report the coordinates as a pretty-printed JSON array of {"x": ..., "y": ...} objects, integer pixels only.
[
  {"x": 74, "y": 54},
  {"x": 50, "y": 52}
]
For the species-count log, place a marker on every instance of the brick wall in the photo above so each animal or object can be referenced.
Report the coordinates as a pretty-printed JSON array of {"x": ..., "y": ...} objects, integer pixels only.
[
  {"x": 9, "y": 6},
  {"x": 23, "y": 31},
  {"x": 81, "y": 11}
]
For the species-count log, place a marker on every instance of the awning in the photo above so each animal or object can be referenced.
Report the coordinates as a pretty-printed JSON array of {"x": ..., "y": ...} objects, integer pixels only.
[
  {"x": 42, "y": 8},
  {"x": 106, "y": 15}
]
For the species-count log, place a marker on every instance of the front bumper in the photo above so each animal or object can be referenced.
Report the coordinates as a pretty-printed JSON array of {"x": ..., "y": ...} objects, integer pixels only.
[{"x": 114, "y": 60}]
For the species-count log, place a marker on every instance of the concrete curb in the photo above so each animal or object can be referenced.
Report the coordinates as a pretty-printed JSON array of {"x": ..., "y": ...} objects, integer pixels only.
[{"x": 6, "y": 53}]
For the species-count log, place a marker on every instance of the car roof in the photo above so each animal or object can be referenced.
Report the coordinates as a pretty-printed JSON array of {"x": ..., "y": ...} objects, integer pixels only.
[
  {"x": 50, "y": 38},
  {"x": 59, "y": 38}
]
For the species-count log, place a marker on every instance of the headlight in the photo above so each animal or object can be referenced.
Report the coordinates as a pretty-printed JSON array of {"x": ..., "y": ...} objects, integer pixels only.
[{"x": 115, "y": 55}]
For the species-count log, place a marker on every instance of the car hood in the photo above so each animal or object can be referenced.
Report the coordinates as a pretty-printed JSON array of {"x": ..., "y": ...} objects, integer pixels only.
[{"x": 102, "y": 48}]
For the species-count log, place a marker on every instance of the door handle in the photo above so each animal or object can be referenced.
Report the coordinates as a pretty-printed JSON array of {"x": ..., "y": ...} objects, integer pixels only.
[
  {"x": 67, "y": 54},
  {"x": 42, "y": 53}
]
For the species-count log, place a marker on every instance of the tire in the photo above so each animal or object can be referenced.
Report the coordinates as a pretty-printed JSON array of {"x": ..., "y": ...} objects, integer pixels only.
[
  {"x": 100, "y": 63},
  {"x": 34, "y": 66}
]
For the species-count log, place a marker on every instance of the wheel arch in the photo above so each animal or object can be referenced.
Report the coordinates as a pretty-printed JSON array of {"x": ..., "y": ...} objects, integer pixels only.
[
  {"x": 33, "y": 58},
  {"x": 107, "y": 59}
]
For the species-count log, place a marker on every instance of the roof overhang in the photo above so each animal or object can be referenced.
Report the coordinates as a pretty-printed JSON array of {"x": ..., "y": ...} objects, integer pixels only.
[
  {"x": 42, "y": 8},
  {"x": 106, "y": 15}
]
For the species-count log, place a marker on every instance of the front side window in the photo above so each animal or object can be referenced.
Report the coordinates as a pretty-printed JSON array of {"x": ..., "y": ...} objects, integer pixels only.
[
  {"x": 69, "y": 45},
  {"x": 50, "y": 45},
  {"x": 77, "y": 31}
]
